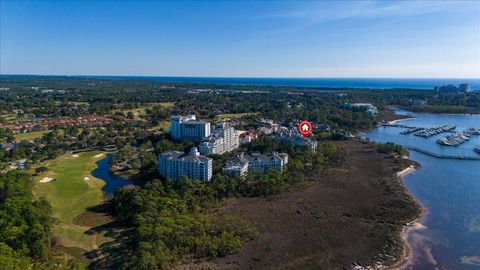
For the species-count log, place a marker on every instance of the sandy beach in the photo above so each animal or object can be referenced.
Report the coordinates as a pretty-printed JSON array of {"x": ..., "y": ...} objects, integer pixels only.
[
  {"x": 407, "y": 255},
  {"x": 396, "y": 120}
]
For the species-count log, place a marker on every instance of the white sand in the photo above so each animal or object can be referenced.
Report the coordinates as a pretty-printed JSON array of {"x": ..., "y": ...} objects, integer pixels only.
[
  {"x": 406, "y": 171},
  {"x": 75, "y": 155},
  {"x": 86, "y": 178},
  {"x": 99, "y": 155},
  {"x": 46, "y": 180},
  {"x": 404, "y": 119}
]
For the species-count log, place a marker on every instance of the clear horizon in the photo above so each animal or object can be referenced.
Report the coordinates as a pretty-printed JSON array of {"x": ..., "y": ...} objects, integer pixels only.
[
  {"x": 349, "y": 39},
  {"x": 237, "y": 77}
]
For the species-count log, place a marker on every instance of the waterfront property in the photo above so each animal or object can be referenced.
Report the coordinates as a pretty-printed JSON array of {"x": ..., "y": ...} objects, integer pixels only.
[
  {"x": 447, "y": 183},
  {"x": 368, "y": 108},
  {"x": 241, "y": 164},
  {"x": 299, "y": 141},
  {"x": 189, "y": 128},
  {"x": 175, "y": 164},
  {"x": 293, "y": 137}
]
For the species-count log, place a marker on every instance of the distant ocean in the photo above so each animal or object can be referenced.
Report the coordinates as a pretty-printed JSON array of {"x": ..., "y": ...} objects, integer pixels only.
[{"x": 375, "y": 83}]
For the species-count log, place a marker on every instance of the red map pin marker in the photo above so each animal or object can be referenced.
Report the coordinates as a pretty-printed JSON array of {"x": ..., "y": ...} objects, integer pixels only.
[{"x": 305, "y": 128}]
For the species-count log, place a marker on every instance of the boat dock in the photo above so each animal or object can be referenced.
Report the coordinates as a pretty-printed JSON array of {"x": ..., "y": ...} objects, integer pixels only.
[
  {"x": 421, "y": 131},
  {"x": 436, "y": 155}
]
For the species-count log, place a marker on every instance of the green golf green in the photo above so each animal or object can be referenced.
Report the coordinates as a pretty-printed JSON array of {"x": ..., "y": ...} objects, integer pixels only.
[{"x": 70, "y": 188}]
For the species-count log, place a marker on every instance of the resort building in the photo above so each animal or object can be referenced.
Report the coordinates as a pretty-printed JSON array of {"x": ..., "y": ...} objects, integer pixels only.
[
  {"x": 189, "y": 128},
  {"x": 241, "y": 164},
  {"x": 293, "y": 137},
  {"x": 247, "y": 136},
  {"x": 223, "y": 139},
  {"x": 368, "y": 108},
  {"x": 237, "y": 166},
  {"x": 299, "y": 141},
  {"x": 175, "y": 164},
  {"x": 229, "y": 135},
  {"x": 212, "y": 146}
]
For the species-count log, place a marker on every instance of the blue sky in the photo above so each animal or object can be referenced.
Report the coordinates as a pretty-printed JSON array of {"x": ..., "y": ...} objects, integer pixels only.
[{"x": 242, "y": 39}]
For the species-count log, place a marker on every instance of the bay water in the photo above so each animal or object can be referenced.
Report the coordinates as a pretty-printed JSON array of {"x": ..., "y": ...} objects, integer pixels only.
[{"x": 448, "y": 235}]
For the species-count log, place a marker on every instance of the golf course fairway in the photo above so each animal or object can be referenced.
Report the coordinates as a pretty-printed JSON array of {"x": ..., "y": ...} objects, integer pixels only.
[{"x": 72, "y": 191}]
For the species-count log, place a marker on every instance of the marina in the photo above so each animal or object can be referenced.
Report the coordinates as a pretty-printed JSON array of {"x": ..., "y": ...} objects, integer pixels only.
[
  {"x": 429, "y": 132},
  {"x": 455, "y": 139},
  {"x": 446, "y": 184},
  {"x": 411, "y": 130},
  {"x": 459, "y": 137}
]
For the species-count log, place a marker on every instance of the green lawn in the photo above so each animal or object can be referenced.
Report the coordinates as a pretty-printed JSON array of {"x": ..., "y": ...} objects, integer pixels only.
[
  {"x": 70, "y": 196},
  {"x": 30, "y": 135},
  {"x": 13, "y": 117},
  {"x": 221, "y": 117},
  {"x": 78, "y": 102},
  {"x": 139, "y": 112},
  {"x": 167, "y": 104},
  {"x": 165, "y": 125}
]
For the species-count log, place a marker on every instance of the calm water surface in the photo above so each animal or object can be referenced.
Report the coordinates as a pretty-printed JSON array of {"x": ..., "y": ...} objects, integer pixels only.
[
  {"x": 112, "y": 182},
  {"x": 448, "y": 236},
  {"x": 415, "y": 83}
]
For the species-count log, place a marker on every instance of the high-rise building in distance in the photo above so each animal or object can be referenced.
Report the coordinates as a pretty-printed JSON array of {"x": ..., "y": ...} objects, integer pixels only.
[{"x": 189, "y": 128}]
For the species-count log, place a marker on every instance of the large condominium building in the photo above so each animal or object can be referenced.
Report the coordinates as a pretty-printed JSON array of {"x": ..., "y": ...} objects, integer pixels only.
[
  {"x": 175, "y": 164},
  {"x": 229, "y": 135},
  {"x": 224, "y": 139},
  {"x": 212, "y": 146},
  {"x": 241, "y": 164},
  {"x": 299, "y": 141},
  {"x": 189, "y": 128}
]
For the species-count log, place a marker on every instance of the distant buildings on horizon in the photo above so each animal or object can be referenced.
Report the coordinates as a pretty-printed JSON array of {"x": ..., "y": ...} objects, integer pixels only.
[
  {"x": 464, "y": 87},
  {"x": 368, "y": 108}
]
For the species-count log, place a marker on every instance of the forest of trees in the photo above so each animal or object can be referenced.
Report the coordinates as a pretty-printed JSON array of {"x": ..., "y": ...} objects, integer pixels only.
[
  {"x": 173, "y": 220},
  {"x": 26, "y": 238}
]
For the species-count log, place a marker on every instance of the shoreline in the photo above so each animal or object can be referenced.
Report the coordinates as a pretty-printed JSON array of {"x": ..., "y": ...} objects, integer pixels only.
[
  {"x": 401, "y": 119},
  {"x": 407, "y": 254},
  {"x": 299, "y": 222}
]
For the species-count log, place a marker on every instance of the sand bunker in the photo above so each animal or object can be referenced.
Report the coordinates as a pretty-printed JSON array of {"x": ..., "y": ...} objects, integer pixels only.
[
  {"x": 99, "y": 155},
  {"x": 46, "y": 180},
  {"x": 74, "y": 155},
  {"x": 86, "y": 178}
]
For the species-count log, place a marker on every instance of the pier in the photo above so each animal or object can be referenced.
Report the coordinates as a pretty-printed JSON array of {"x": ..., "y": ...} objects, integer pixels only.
[
  {"x": 436, "y": 155},
  {"x": 410, "y": 127}
]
